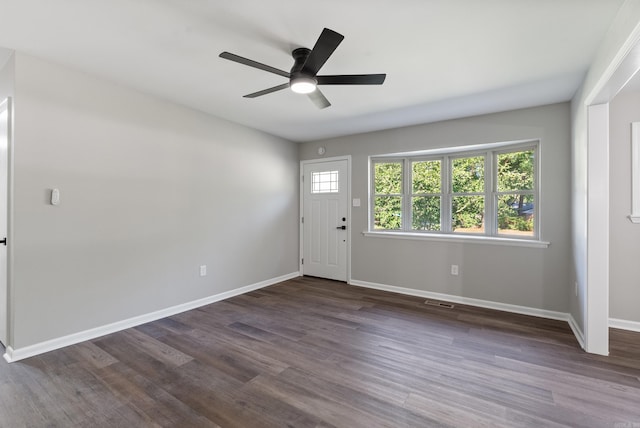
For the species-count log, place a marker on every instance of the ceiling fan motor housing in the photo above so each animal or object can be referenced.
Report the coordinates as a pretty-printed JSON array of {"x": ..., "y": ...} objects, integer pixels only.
[{"x": 300, "y": 56}]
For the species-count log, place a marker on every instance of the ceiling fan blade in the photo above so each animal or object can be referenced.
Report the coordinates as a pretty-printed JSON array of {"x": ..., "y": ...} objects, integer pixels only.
[
  {"x": 267, "y": 91},
  {"x": 254, "y": 64},
  {"x": 319, "y": 99},
  {"x": 324, "y": 47},
  {"x": 352, "y": 79}
]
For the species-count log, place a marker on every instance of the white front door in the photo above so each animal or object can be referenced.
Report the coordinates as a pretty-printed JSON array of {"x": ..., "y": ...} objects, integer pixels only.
[
  {"x": 325, "y": 211},
  {"x": 5, "y": 122}
]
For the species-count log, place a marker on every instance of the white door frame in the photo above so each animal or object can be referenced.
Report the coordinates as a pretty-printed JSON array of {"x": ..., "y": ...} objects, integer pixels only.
[
  {"x": 9, "y": 235},
  {"x": 349, "y": 204},
  {"x": 621, "y": 69},
  {"x": 596, "y": 325}
]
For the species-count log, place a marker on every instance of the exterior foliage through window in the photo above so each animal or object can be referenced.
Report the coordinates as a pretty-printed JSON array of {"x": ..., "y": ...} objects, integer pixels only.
[{"x": 490, "y": 192}]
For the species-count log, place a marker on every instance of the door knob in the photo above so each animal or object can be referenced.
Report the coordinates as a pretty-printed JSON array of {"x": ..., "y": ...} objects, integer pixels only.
[{"x": 342, "y": 227}]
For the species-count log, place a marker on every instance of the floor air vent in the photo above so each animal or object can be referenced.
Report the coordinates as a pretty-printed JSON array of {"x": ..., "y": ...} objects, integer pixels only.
[{"x": 440, "y": 304}]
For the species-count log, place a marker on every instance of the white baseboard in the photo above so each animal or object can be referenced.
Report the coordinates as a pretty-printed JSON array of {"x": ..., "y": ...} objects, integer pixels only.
[
  {"x": 577, "y": 332},
  {"x": 12, "y": 355},
  {"x": 562, "y": 316},
  {"x": 624, "y": 324},
  {"x": 524, "y": 310}
]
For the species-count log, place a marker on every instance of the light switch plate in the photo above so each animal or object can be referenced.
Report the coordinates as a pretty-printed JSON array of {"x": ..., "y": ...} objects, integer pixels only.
[{"x": 55, "y": 197}]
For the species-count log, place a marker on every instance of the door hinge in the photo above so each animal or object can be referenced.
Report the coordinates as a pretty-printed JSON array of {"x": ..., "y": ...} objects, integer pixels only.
[
  {"x": 302, "y": 219},
  {"x": 302, "y": 262}
]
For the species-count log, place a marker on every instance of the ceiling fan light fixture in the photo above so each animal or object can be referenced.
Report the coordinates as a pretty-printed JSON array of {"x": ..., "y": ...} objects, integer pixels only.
[
  {"x": 303, "y": 85},
  {"x": 303, "y": 77}
]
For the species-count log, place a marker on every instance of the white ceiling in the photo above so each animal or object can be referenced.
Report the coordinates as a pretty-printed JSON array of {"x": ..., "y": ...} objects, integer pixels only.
[{"x": 443, "y": 58}]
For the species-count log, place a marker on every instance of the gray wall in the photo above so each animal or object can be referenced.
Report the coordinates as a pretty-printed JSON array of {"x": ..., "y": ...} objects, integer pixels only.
[
  {"x": 6, "y": 78},
  {"x": 149, "y": 192},
  {"x": 624, "y": 236},
  {"x": 532, "y": 277}
]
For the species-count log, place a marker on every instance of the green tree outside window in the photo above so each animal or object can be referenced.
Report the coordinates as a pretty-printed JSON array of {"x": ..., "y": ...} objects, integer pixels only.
[{"x": 387, "y": 209}]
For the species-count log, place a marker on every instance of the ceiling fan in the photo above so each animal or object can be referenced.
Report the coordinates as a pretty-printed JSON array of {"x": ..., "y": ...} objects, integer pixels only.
[{"x": 303, "y": 77}]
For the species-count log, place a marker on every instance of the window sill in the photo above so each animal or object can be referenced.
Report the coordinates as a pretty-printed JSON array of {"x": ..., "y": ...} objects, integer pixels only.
[{"x": 441, "y": 237}]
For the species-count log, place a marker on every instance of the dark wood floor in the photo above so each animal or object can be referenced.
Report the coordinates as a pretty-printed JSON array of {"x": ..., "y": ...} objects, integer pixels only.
[{"x": 317, "y": 353}]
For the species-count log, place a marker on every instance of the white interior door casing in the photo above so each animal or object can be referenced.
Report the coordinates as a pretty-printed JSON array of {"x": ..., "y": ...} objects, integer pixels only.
[
  {"x": 325, "y": 191},
  {"x": 5, "y": 128}
]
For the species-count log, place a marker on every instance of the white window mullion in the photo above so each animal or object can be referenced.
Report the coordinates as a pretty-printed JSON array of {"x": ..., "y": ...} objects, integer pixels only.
[
  {"x": 446, "y": 187},
  {"x": 491, "y": 202},
  {"x": 407, "y": 215}
]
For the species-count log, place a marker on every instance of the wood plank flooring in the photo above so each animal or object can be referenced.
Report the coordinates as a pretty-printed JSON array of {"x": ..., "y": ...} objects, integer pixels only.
[{"x": 316, "y": 353}]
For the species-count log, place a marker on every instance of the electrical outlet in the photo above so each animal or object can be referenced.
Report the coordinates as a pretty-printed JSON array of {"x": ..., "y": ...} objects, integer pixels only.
[
  {"x": 454, "y": 269},
  {"x": 203, "y": 270}
]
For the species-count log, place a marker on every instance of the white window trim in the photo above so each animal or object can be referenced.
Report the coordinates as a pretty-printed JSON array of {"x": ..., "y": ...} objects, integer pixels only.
[
  {"x": 491, "y": 236},
  {"x": 463, "y": 238}
]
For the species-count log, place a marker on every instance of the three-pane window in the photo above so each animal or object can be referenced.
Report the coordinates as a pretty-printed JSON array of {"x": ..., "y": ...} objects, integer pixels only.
[{"x": 488, "y": 192}]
